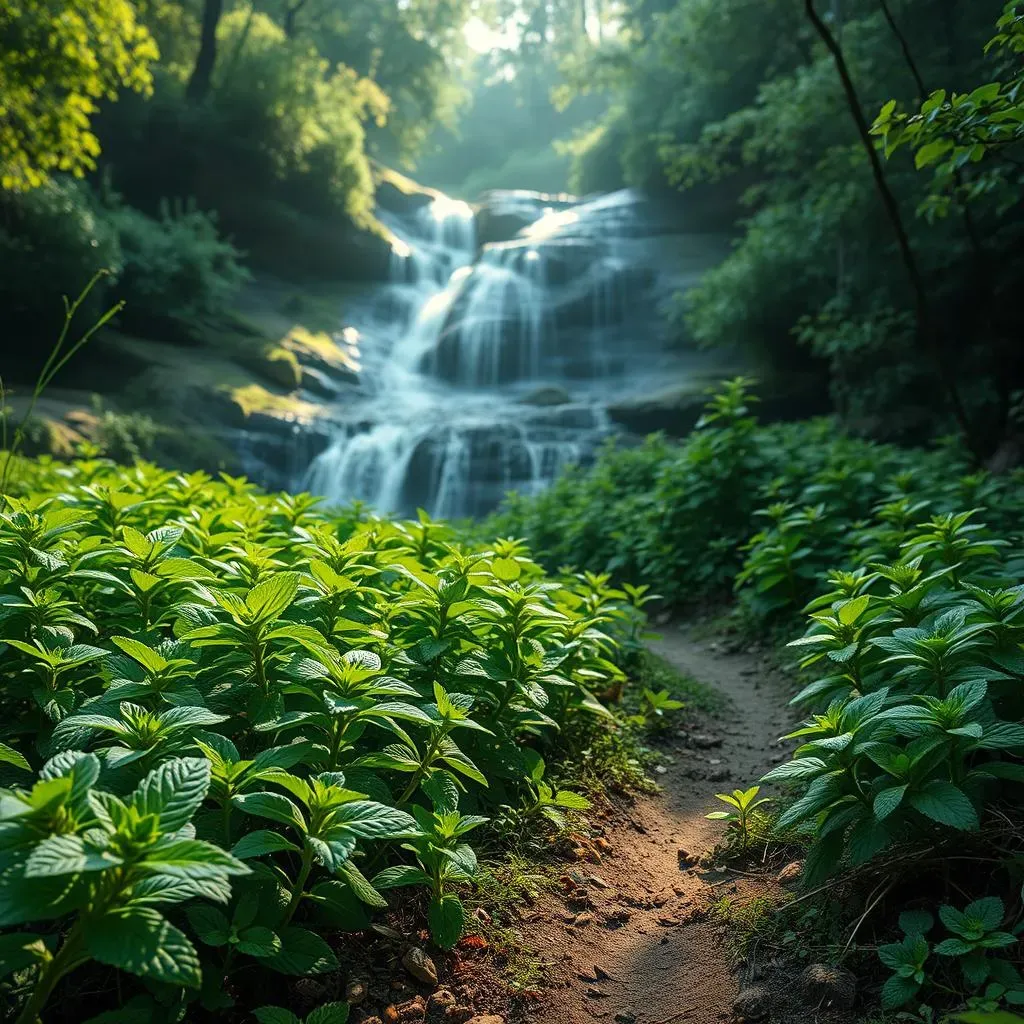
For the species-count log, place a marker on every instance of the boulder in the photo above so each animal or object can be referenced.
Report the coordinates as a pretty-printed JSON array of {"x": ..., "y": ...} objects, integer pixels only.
[
  {"x": 546, "y": 396},
  {"x": 673, "y": 411},
  {"x": 754, "y": 1002},
  {"x": 828, "y": 986}
]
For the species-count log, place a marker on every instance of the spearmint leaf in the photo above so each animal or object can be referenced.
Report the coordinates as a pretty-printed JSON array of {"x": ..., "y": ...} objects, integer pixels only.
[
  {"x": 267, "y": 600},
  {"x": 329, "y": 1013},
  {"x": 916, "y": 922},
  {"x": 887, "y": 801},
  {"x": 274, "y": 806},
  {"x": 258, "y": 941},
  {"x": 66, "y": 855},
  {"x": 275, "y": 1015},
  {"x": 139, "y": 940},
  {"x": 177, "y": 718},
  {"x": 261, "y": 842},
  {"x": 988, "y": 912},
  {"x": 898, "y": 991},
  {"x": 209, "y": 924},
  {"x": 801, "y": 768},
  {"x": 446, "y": 917},
  {"x": 953, "y": 947},
  {"x": 867, "y": 838},
  {"x": 191, "y": 858},
  {"x": 8, "y": 755},
  {"x": 149, "y": 659},
  {"x": 174, "y": 791},
  {"x": 399, "y": 876},
  {"x": 457, "y": 760},
  {"x": 156, "y": 889},
  {"x": 442, "y": 789},
  {"x": 943, "y": 802},
  {"x": 302, "y": 952},
  {"x": 370, "y": 820},
  {"x": 362, "y": 887}
]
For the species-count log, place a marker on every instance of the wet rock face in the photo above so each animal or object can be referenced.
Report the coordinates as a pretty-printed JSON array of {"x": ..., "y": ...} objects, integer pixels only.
[
  {"x": 533, "y": 309},
  {"x": 490, "y": 361},
  {"x": 502, "y": 214}
]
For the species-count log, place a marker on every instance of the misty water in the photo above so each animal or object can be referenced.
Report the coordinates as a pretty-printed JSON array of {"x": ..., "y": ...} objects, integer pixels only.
[{"x": 490, "y": 368}]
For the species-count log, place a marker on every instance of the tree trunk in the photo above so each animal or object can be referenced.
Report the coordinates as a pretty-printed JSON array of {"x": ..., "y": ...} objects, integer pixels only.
[
  {"x": 290, "y": 14},
  {"x": 202, "y": 74},
  {"x": 926, "y": 332}
]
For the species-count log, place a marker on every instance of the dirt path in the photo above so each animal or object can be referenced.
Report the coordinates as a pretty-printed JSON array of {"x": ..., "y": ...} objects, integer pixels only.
[{"x": 642, "y": 949}]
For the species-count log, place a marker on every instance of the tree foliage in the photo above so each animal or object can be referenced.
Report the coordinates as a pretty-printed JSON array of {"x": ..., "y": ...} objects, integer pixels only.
[
  {"x": 772, "y": 104},
  {"x": 58, "y": 61}
]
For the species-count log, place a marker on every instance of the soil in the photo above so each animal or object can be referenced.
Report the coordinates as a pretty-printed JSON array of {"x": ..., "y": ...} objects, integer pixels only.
[{"x": 635, "y": 939}]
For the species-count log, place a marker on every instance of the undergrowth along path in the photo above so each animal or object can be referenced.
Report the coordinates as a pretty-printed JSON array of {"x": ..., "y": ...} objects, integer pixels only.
[{"x": 640, "y": 945}]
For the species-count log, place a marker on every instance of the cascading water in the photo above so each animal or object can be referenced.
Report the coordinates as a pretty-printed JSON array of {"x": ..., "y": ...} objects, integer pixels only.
[{"x": 487, "y": 372}]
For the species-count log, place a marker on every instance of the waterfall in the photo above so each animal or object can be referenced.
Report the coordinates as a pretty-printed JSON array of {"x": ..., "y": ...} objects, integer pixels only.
[{"x": 488, "y": 371}]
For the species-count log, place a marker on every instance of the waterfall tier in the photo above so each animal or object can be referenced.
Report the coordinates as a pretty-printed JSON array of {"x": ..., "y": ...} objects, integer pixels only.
[{"x": 484, "y": 371}]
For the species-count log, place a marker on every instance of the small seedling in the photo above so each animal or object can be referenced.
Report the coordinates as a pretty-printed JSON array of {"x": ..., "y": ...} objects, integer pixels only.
[{"x": 744, "y": 803}]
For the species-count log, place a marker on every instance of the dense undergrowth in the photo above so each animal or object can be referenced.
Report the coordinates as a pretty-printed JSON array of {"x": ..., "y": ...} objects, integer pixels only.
[
  {"x": 233, "y": 725},
  {"x": 907, "y": 566}
]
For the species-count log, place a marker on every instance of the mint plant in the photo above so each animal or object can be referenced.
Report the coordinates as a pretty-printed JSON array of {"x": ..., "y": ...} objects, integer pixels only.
[
  {"x": 255, "y": 717},
  {"x": 975, "y": 937}
]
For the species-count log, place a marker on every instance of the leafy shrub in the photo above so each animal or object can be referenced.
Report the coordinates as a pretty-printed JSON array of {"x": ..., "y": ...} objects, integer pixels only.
[
  {"x": 918, "y": 666},
  {"x": 975, "y": 937},
  {"x": 175, "y": 270},
  {"x": 53, "y": 240},
  {"x": 238, "y": 721},
  {"x": 680, "y": 516}
]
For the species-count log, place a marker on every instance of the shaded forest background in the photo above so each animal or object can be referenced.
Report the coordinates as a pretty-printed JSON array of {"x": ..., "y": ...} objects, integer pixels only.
[{"x": 255, "y": 135}]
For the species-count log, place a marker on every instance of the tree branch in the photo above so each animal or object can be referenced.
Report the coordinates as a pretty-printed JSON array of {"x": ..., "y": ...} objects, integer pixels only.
[{"x": 925, "y": 327}]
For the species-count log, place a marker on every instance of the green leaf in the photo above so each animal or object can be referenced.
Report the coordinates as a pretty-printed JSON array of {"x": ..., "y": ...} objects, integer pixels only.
[
  {"x": 139, "y": 940},
  {"x": 66, "y": 855},
  {"x": 916, "y": 922},
  {"x": 931, "y": 152},
  {"x": 457, "y": 760},
  {"x": 152, "y": 661},
  {"x": 988, "y": 912},
  {"x": 302, "y": 952},
  {"x": 943, "y": 802},
  {"x": 953, "y": 947},
  {"x": 191, "y": 858},
  {"x": 174, "y": 791},
  {"x": 851, "y": 611},
  {"x": 275, "y": 1015},
  {"x": 370, "y": 820},
  {"x": 362, "y": 887},
  {"x": 209, "y": 924},
  {"x": 399, "y": 876},
  {"x": 572, "y": 801},
  {"x": 897, "y": 992},
  {"x": 887, "y": 801},
  {"x": 329, "y": 1013},
  {"x": 506, "y": 569},
  {"x": 261, "y": 842},
  {"x": 259, "y": 942},
  {"x": 8, "y": 755},
  {"x": 267, "y": 600},
  {"x": 274, "y": 806},
  {"x": 446, "y": 916}
]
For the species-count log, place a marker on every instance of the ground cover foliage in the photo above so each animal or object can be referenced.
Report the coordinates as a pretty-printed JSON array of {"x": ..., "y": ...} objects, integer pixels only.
[
  {"x": 235, "y": 725},
  {"x": 904, "y": 570}
]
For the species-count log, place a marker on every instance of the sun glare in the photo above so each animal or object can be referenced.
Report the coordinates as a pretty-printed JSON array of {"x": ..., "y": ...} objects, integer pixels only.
[{"x": 482, "y": 38}]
